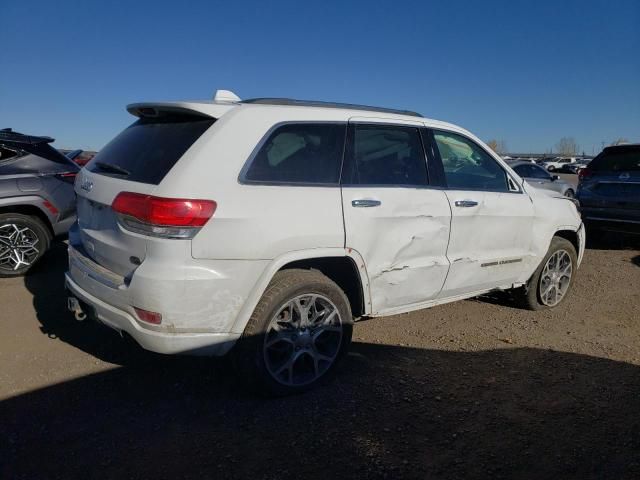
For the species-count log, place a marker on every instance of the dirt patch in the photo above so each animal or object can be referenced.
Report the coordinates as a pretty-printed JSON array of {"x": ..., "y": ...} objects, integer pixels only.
[{"x": 475, "y": 389}]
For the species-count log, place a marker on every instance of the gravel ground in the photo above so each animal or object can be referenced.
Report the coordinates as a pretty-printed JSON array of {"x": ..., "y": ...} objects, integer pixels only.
[{"x": 474, "y": 389}]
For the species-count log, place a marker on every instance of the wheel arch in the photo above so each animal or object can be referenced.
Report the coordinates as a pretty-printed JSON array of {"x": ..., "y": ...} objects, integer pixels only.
[
  {"x": 344, "y": 266},
  {"x": 30, "y": 210},
  {"x": 571, "y": 236},
  {"x": 341, "y": 270}
]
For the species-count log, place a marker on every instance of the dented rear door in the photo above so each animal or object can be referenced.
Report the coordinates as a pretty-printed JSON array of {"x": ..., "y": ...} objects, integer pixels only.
[{"x": 393, "y": 218}]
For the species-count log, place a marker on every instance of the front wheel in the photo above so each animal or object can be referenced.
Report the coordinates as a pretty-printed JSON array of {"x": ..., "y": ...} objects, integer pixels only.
[
  {"x": 299, "y": 331},
  {"x": 551, "y": 282},
  {"x": 23, "y": 240}
]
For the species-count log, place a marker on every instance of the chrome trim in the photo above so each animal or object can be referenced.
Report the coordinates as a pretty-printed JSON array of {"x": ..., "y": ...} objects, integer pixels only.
[
  {"x": 365, "y": 203},
  {"x": 466, "y": 203},
  {"x": 616, "y": 182},
  {"x": 600, "y": 219}
]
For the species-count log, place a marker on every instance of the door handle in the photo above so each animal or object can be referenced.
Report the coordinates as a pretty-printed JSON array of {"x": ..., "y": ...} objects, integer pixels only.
[
  {"x": 466, "y": 203},
  {"x": 365, "y": 203}
]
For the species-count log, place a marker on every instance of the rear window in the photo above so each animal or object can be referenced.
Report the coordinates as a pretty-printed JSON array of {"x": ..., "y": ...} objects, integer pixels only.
[
  {"x": 146, "y": 150},
  {"x": 617, "y": 160},
  {"x": 305, "y": 153}
]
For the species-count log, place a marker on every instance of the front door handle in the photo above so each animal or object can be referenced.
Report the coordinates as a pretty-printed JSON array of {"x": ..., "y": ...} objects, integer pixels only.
[
  {"x": 466, "y": 203},
  {"x": 365, "y": 203}
]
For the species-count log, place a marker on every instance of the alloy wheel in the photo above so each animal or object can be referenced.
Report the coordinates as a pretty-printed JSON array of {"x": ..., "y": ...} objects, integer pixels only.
[
  {"x": 18, "y": 247},
  {"x": 303, "y": 340},
  {"x": 556, "y": 278}
]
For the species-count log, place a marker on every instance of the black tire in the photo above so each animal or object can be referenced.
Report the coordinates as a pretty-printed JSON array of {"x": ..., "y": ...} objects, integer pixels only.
[
  {"x": 551, "y": 168},
  {"x": 570, "y": 193},
  {"x": 36, "y": 232},
  {"x": 250, "y": 354},
  {"x": 530, "y": 295}
]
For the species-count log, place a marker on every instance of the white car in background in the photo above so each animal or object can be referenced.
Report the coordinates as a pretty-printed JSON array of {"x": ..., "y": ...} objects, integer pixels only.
[
  {"x": 559, "y": 163},
  {"x": 265, "y": 227}
]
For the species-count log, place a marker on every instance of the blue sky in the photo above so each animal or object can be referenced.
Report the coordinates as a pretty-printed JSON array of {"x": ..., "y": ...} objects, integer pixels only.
[{"x": 526, "y": 72}]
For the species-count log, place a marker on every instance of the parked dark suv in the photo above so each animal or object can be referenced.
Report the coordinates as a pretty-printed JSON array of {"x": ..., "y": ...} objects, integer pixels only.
[
  {"x": 609, "y": 189},
  {"x": 37, "y": 201}
]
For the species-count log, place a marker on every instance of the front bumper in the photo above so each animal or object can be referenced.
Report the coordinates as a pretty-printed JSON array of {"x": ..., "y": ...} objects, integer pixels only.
[
  {"x": 582, "y": 242},
  {"x": 161, "y": 342}
]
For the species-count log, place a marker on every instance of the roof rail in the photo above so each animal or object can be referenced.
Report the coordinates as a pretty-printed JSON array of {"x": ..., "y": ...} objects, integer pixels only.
[{"x": 315, "y": 103}]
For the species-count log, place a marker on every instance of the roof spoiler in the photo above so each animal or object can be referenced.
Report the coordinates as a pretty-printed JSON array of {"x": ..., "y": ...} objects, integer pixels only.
[
  {"x": 7, "y": 135},
  {"x": 33, "y": 144}
]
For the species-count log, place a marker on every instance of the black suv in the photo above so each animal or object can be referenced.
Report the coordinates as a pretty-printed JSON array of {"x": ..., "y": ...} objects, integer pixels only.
[{"x": 609, "y": 189}]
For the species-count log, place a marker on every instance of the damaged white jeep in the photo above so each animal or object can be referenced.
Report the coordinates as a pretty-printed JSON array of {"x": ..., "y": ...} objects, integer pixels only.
[{"x": 264, "y": 227}]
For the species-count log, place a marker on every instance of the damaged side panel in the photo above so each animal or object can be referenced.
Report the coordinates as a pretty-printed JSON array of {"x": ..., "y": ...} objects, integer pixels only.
[
  {"x": 403, "y": 242},
  {"x": 490, "y": 243}
]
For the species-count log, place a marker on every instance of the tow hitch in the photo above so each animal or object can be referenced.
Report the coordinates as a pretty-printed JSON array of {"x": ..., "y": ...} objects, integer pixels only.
[{"x": 73, "y": 305}]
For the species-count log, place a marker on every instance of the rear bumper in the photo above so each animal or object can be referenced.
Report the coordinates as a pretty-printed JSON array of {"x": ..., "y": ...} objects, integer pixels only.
[
  {"x": 62, "y": 226},
  {"x": 155, "y": 341},
  {"x": 612, "y": 219}
]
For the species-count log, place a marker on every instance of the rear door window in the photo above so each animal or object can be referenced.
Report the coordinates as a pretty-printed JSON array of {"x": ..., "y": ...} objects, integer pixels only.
[
  {"x": 146, "y": 150},
  {"x": 299, "y": 153},
  {"x": 621, "y": 159},
  {"x": 385, "y": 155}
]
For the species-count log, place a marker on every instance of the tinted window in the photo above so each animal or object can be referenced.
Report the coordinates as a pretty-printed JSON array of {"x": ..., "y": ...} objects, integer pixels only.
[
  {"x": 621, "y": 159},
  {"x": 467, "y": 166},
  {"x": 146, "y": 150},
  {"x": 531, "y": 171},
  {"x": 300, "y": 153},
  {"x": 386, "y": 155}
]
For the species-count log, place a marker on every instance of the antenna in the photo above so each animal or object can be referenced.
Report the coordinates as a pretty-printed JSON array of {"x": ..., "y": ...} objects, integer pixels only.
[{"x": 225, "y": 96}]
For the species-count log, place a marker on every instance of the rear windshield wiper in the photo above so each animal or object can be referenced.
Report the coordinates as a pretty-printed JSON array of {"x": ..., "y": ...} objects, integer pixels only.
[{"x": 109, "y": 167}]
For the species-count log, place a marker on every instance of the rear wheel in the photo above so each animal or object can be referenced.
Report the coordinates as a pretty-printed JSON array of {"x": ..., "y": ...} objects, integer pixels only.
[
  {"x": 569, "y": 193},
  {"x": 298, "y": 333},
  {"x": 551, "y": 282},
  {"x": 551, "y": 168},
  {"x": 23, "y": 241}
]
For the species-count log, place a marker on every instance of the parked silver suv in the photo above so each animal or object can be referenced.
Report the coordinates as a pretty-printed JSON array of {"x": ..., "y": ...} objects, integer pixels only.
[
  {"x": 37, "y": 201},
  {"x": 267, "y": 226}
]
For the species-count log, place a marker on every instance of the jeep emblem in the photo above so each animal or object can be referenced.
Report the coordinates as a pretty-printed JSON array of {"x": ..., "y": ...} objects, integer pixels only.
[{"x": 87, "y": 185}]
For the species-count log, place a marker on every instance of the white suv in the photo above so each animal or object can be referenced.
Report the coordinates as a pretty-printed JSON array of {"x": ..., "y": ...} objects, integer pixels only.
[
  {"x": 269, "y": 225},
  {"x": 559, "y": 163}
]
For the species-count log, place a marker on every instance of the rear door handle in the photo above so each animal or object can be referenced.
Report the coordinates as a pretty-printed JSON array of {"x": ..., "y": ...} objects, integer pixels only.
[
  {"x": 466, "y": 203},
  {"x": 365, "y": 203}
]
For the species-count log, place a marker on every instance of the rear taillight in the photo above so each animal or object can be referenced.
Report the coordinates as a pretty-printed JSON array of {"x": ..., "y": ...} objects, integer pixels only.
[
  {"x": 584, "y": 174},
  {"x": 162, "y": 217},
  {"x": 68, "y": 177}
]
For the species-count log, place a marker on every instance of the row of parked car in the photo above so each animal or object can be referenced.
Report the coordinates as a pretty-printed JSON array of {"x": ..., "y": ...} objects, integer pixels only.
[
  {"x": 556, "y": 164},
  {"x": 264, "y": 227}
]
